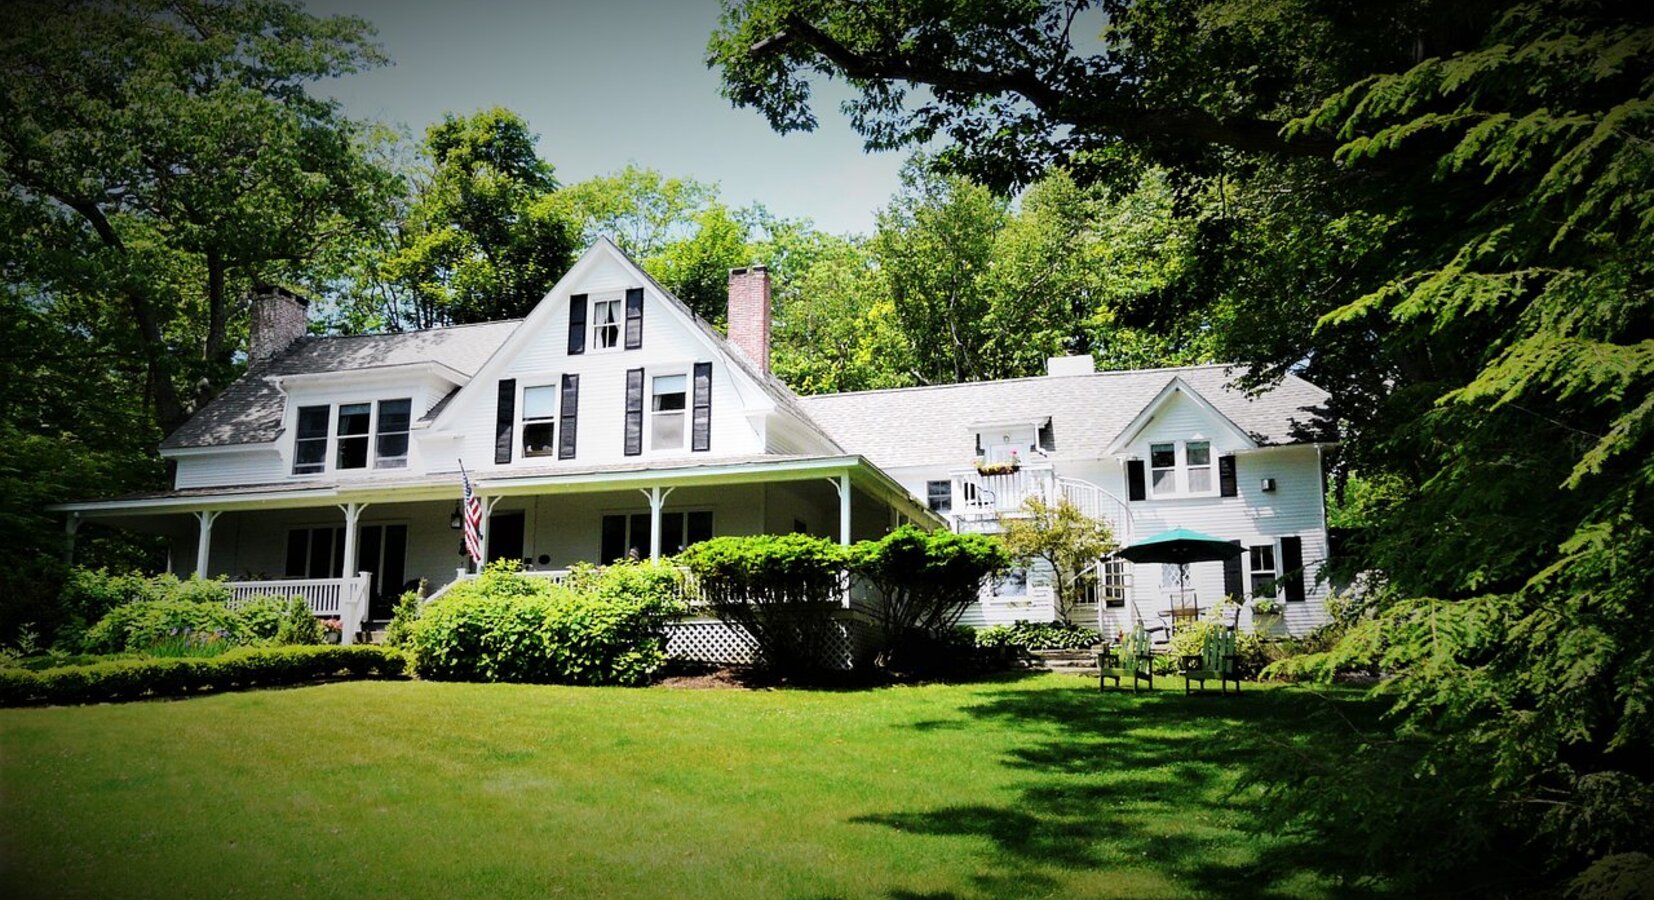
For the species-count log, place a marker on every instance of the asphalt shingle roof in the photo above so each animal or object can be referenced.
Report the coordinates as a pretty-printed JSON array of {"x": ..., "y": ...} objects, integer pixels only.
[
  {"x": 250, "y": 410},
  {"x": 935, "y": 425}
]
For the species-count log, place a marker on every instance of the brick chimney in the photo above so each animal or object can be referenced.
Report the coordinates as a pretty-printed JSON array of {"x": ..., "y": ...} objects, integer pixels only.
[
  {"x": 749, "y": 313},
  {"x": 279, "y": 317}
]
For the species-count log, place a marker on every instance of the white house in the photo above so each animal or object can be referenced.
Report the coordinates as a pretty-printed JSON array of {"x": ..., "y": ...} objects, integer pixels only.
[{"x": 612, "y": 421}]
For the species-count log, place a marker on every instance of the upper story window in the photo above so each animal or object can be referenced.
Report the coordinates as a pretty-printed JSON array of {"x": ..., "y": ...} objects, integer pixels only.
[
  {"x": 540, "y": 420},
  {"x": 607, "y": 316},
  {"x": 1182, "y": 469},
  {"x": 355, "y": 423},
  {"x": 360, "y": 435},
  {"x": 391, "y": 438},
  {"x": 669, "y": 394},
  {"x": 310, "y": 440},
  {"x": 939, "y": 496}
]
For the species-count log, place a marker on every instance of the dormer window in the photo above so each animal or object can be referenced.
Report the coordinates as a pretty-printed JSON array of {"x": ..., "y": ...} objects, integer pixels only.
[
  {"x": 361, "y": 434},
  {"x": 310, "y": 440},
  {"x": 355, "y": 422},
  {"x": 606, "y": 322},
  {"x": 1182, "y": 469}
]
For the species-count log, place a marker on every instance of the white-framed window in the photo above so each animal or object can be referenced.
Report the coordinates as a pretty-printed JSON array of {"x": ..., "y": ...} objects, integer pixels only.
[
  {"x": 1182, "y": 469},
  {"x": 539, "y": 420},
  {"x": 939, "y": 496},
  {"x": 607, "y": 318},
  {"x": 1163, "y": 468},
  {"x": 668, "y": 400},
  {"x": 624, "y": 535},
  {"x": 353, "y": 435},
  {"x": 310, "y": 440},
  {"x": 390, "y": 434},
  {"x": 1260, "y": 562}
]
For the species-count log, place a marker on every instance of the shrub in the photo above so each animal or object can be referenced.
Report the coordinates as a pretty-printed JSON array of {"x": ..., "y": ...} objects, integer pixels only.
[
  {"x": 241, "y": 668},
  {"x": 299, "y": 626},
  {"x": 400, "y": 630},
  {"x": 926, "y": 580},
  {"x": 608, "y": 628},
  {"x": 140, "y": 625},
  {"x": 1038, "y": 636},
  {"x": 1251, "y": 655},
  {"x": 263, "y": 616},
  {"x": 783, "y": 590}
]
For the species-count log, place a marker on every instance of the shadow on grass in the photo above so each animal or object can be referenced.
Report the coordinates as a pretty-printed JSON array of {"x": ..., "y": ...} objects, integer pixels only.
[{"x": 1154, "y": 781}]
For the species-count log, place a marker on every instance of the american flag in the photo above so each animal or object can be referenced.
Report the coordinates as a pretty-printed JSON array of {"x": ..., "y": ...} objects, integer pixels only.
[{"x": 471, "y": 506}]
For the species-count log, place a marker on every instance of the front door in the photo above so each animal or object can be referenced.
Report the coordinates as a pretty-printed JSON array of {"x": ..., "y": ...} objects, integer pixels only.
[
  {"x": 505, "y": 536},
  {"x": 383, "y": 551}
]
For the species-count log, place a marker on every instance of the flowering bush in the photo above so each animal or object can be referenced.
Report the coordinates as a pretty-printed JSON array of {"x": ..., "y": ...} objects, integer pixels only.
[{"x": 145, "y": 624}]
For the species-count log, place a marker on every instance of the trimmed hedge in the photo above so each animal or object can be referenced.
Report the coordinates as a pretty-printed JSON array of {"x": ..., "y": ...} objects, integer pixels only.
[
  {"x": 250, "y": 667},
  {"x": 605, "y": 626}
]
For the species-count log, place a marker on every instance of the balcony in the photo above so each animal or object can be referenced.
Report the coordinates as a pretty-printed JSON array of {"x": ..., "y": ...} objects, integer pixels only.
[{"x": 980, "y": 500}]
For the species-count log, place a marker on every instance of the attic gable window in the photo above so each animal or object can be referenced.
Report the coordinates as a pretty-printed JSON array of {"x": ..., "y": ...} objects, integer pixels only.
[
  {"x": 1182, "y": 469},
  {"x": 540, "y": 420},
  {"x": 606, "y": 317}
]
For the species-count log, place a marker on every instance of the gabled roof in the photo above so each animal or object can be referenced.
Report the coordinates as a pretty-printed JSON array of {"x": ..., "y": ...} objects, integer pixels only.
[
  {"x": 1174, "y": 388},
  {"x": 250, "y": 410},
  {"x": 931, "y": 426},
  {"x": 777, "y": 392}
]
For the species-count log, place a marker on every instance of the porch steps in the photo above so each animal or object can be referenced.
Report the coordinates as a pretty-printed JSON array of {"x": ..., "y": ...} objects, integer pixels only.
[{"x": 1072, "y": 662}]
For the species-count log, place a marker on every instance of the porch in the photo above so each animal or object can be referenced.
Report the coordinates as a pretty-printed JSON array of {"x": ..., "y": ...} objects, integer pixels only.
[{"x": 351, "y": 549}]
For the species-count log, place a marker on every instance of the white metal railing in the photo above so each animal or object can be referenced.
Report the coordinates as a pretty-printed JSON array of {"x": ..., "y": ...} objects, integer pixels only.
[
  {"x": 974, "y": 492},
  {"x": 1097, "y": 503},
  {"x": 343, "y": 598}
]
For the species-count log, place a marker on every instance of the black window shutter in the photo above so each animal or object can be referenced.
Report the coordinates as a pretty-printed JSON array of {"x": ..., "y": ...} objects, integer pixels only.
[
  {"x": 506, "y": 414},
  {"x": 700, "y": 437},
  {"x": 577, "y": 324},
  {"x": 567, "y": 414},
  {"x": 634, "y": 318},
  {"x": 634, "y": 412},
  {"x": 1226, "y": 477},
  {"x": 1135, "y": 489},
  {"x": 1233, "y": 587},
  {"x": 1292, "y": 568}
]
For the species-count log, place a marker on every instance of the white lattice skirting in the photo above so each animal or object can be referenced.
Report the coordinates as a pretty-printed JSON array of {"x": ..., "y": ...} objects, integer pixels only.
[{"x": 712, "y": 641}]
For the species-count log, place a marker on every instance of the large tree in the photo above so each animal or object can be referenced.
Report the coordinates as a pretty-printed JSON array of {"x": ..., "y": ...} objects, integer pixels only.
[
  {"x": 1441, "y": 212},
  {"x": 169, "y": 153},
  {"x": 481, "y": 234}
]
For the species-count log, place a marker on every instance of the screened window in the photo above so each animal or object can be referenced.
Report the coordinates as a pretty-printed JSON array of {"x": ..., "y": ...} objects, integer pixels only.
[
  {"x": 628, "y": 535},
  {"x": 606, "y": 320},
  {"x": 391, "y": 434},
  {"x": 939, "y": 494},
  {"x": 668, "y": 393},
  {"x": 1163, "y": 468},
  {"x": 540, "y": 420},
  {"x": 1199, "y": 460},
  {"x": 1261, "y": 562},
  {"x": 354, "y": 422},
  {"x": 310, "y": 440}
]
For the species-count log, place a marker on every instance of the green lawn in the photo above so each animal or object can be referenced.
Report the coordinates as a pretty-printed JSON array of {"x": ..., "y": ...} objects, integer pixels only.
[{"x": 1029, "y": 786}]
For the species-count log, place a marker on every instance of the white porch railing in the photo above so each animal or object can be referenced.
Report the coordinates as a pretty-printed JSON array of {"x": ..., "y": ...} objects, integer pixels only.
[
  {"x": 977, "y": 494},
  {"x": 343, "y": 598},
  {"x": 556, "y": 576}
]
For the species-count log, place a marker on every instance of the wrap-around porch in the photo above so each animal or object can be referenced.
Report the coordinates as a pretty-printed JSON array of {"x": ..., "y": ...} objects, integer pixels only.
[{"x": 351, "y": 549}]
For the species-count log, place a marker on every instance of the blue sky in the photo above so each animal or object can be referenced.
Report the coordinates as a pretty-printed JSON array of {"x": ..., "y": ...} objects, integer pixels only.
[{"x": 608, "y": 83}]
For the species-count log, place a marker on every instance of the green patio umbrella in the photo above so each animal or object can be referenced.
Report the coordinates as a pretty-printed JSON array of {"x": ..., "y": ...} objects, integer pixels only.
[{"x": 1179, "y": 547}]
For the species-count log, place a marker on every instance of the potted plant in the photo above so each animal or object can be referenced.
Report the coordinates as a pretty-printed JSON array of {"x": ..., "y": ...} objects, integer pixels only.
[
  {"x": 1003, "y": 467},
  {"x": 332, "y": 630},
  {"x": 1266, "y": 610}
]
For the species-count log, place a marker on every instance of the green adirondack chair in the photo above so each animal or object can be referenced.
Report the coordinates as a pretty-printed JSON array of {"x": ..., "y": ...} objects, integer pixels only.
[
  {"x": 1129, "y": 659},
  {"x": 1216, "y": 662}
]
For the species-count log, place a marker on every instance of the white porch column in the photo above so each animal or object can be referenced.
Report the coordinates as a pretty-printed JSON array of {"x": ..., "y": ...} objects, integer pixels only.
[
  {"x": 70, "y": 526},
  {"x": 488, "y": 504},
  {"x": 203, "y": 544},
  {"x": 841, "y": 484},
  {"x": 353, "y": 515},
  {"x": 657, "y": 502}
]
